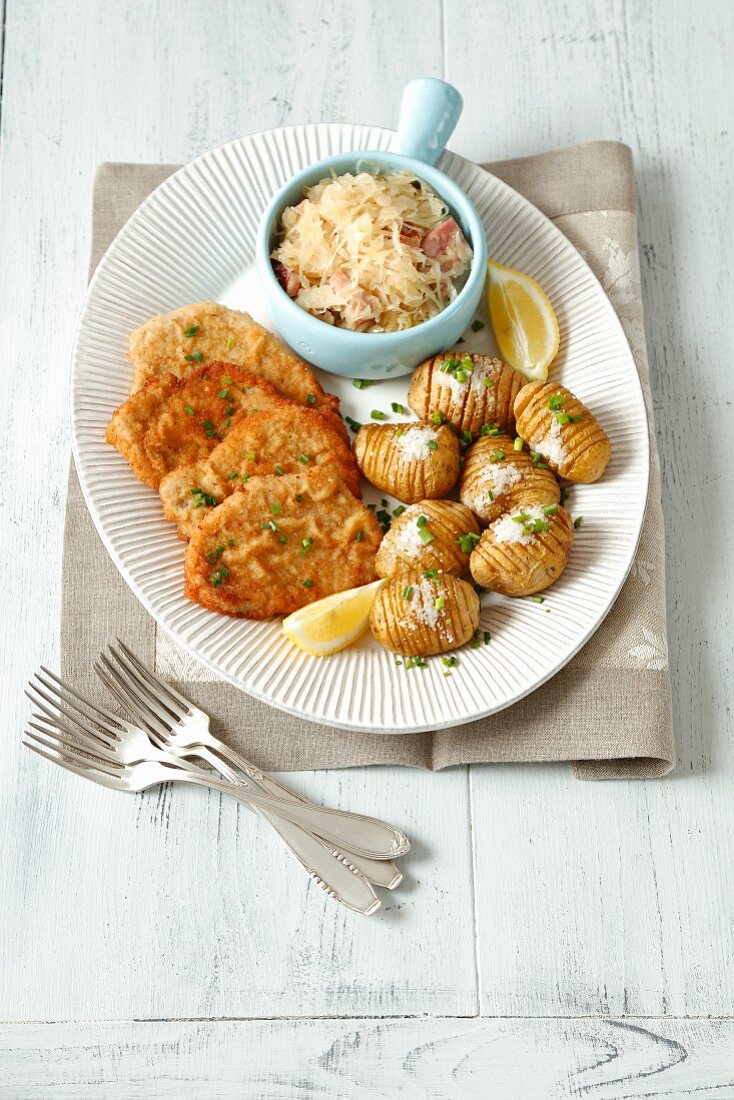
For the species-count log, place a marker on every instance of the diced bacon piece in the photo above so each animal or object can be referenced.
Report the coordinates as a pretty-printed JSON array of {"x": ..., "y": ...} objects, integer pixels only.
[
  {"x": 288, "y": 279},
  {"x": 410, "y": 234},
  {"x": 447, "y": 243},
  {"x": 360, "y": 309},
  {"x": 338, "y": 281}
]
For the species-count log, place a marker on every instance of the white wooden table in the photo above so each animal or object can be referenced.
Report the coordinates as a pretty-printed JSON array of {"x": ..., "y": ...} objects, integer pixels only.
[{"x": 554, "y": 938}]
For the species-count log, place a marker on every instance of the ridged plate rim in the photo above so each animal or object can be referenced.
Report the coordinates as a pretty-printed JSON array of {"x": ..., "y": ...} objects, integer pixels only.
[{"x": 101, "y": 470}]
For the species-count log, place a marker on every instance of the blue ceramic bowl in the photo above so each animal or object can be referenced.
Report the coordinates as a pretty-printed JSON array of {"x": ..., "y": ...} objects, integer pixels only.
[{"x": 430, "y": 109}]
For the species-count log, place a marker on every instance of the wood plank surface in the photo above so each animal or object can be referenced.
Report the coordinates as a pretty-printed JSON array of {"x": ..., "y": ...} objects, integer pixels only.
[
  {"x": 439, "y": 1059},
  {"x": 528, "y": 894}
]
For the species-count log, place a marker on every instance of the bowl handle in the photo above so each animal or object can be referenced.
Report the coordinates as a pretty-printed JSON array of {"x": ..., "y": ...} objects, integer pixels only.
[{"x": 429, "y": 111}]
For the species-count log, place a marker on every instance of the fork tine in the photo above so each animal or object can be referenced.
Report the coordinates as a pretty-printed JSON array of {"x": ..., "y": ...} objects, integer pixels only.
[
  {"x": 174, "y": 695},
  {"x": 98, "y": 764},
  {"x": 94, "y": 707},
  {"x": 151, "y": 697},
  {"x": 130, "y": 685},
  {"x": 115, "y": 784},
  {"x": 146, "y": 717},
  {"x": 35, "y": 696},
  {"x": 125, "y": 703},
  {"x": 80, "y": 742}
]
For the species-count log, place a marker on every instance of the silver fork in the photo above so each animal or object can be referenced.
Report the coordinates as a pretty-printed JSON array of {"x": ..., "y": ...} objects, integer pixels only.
[
  {"x": 175, "y": 724},
  {"x": 76, "y": 729}
]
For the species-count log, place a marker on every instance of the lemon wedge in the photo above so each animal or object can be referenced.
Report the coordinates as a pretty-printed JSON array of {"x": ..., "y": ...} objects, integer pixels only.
[
  {"x": 523, "y": 321},
  {"x": 333, "y": 623}
]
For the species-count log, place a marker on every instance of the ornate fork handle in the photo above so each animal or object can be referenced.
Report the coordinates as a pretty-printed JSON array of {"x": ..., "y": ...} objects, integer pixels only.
[{"x": 365, "y": 836}]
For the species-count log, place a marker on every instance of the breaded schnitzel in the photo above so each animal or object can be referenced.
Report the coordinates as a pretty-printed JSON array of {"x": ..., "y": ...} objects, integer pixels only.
[
  {"x": 207, "y": 331},
  {"x": 173, "y": 422},
  {"x": 280, "y": 441},
  {"x": 279, "y": 543}
]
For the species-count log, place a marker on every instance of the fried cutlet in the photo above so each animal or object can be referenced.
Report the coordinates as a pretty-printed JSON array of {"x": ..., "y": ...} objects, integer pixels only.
[
  {"x": 210, "y": 332},
  {"x": 173, "y": 422},
  {"x": 279, "y": 543},
  {"x": 280, "y": 441}
]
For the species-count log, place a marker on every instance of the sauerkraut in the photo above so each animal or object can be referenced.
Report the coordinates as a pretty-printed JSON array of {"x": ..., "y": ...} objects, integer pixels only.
[{"x": 371, "y": 253}]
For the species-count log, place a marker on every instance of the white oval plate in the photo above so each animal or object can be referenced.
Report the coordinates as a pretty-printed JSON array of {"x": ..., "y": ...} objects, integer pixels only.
[{"x": 193, "y": 239}]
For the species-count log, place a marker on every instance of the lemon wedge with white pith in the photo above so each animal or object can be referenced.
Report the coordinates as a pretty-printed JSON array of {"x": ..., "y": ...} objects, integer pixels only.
[
  {"x": 333, "y": 623},
  {"x": 523, "y": 321}
]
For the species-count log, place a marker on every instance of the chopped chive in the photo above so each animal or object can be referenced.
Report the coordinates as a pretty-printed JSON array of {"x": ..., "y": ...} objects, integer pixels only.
[
  {"x": 467, "y": 364},
  {"x": 397, "y": 407},
  {"x": 359, "y": 536},
  {"x": 223, "y": 393},
  {"x": 229, "y": 410},
  {"x": 228, "y": 421},
  {"x": 431, "y": 574},
  {"x": 279, "y": 470},
  {"x": 437, "y": 417},
  {"x": 407, "y": 591},
  {"x": 432, "y": 445},
  {"x": 488, "y": 382},
  {"x": 304, "y": 459},
  {"x": 439, "y": 603},
  {"x": 420, "y": 663},
  {"x": 465, "y": 440},
  {"x": 578, "y": 521},
  {"x": 377, "y": 414},
  {"x": 269, "y": 525},
  {"x": 421, "y": 521},
  {"x": 555, "y": 401},
  {"x": 207, "y": 424},
  {"x": 195, "y": 357},
  {"x": 245, "y": 477},
  {"x": 398, "y": 511},
  {"x": 311, "y": 398},
  {"x": 249, "y": 456},
  {"x": 308, "y": 584},
  {"x": 490, "y": 494},
  {"x": 563, "y": 418},
  {"x": 218, "y": 576},
  {"x": 518, "y": 444},
  {"x": 227, "y": 380},
  {"x": 487, "y": 637},
  {"x": 550, "y": 509},
  {"x": 201, "y": 499},
  {"x": 575, "y": 419},
  {"x": 230, "y": 542},
  {"x": 353, "y": 424},
  {"x": 213, "y": 556},
  {"x": 233, "y": 474},
  {"x": 497, "y": 456},
  {"x": 399, "y": 432},
  {"x": 190, "y": 410},
  {"x": 426, "y": 535},
  {"x": 489, "y": 429},
  {"x": 282, "y": 538},
  {"x": 477, "y": 326},
  {"x": 461, "y": 376},
  {"x": 468, "y": 541},
  {"x": 449, "y": 662},
  {"x": 538, "y": 599},
  {"x": 192, "y": 331},
  {"x": 276, "y": 508},
  {"x": 306, "y": 543},
  {"x": 360, "y": 383},
  {"x": 230, "y": 343}
]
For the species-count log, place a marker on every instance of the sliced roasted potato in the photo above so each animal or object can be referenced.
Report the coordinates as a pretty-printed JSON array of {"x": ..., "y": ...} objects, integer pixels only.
[
  {"x": 559, "y": 427},
  {"x": 431, "y": 535},
  {"x": 417, "y": 616},
  {"x": 411, "y": 461},
  {"x": 496, "y": 478},
  {"x": 523, "y": 552},
  {"x": 466, "y": 391}
]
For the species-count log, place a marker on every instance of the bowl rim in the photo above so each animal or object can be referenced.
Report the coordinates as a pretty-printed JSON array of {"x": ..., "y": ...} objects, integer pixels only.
[{"x": 459, "y": 200}]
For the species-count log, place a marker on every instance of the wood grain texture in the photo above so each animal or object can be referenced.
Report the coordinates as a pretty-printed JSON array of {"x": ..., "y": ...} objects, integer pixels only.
[
  {"x": 597, "y": 899},
  {"x": 438, "y": 1059},
  {"x": 632, "y": 885}
]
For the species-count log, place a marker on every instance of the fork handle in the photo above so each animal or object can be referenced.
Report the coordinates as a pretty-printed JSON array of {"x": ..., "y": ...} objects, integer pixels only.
[
  {"x": 380, "y": 872},
  {"x": 365, "y": 836}
]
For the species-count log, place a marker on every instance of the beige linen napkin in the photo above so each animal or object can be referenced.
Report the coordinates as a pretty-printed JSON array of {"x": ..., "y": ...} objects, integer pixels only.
[{"x": 608, "y": 711}]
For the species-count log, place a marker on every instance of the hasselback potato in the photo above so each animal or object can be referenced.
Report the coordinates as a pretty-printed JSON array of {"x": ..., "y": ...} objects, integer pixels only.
[
  {"x": 466, "y": 391},
  {"x": 411, "y": 461},
  {"x": 497, "y": 478},
  {"x": 416, "y": 616},
  {"x": 431, "y": 535},
  {"x": 560, "y": 428},
  {"x": 523, "y": 552}
]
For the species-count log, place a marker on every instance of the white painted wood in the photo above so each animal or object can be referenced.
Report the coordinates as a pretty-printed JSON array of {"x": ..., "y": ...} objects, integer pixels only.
[
  {"x": 177, "y": 905},
  {"x": 604, "y": 899},
  {"x": 435, "y": 1059},
  {"x": 618, "y": 898}
]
